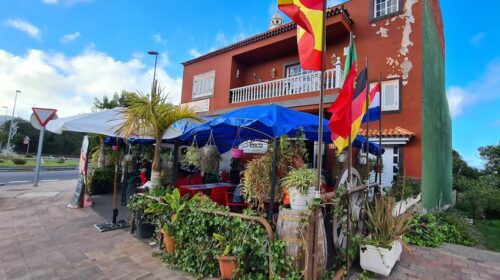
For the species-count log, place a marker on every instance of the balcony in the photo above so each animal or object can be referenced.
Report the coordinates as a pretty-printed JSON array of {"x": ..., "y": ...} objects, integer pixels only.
[{"x": 288, "y": 86}]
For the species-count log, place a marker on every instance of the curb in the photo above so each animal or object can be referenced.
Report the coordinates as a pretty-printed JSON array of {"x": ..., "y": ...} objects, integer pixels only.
[{"x": 26, "y": 169}]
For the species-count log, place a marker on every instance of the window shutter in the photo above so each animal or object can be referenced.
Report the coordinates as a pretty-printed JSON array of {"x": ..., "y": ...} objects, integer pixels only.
[
  {"x": 390, "y": 96},
  {"x": 203, "y": 84}
]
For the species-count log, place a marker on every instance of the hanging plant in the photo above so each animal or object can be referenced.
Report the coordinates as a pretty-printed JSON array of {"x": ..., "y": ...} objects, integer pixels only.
[
  {"x": 193, "y": 156},
  {"x": 257, "y": 182},
  {"x": 210, "y": 157}
]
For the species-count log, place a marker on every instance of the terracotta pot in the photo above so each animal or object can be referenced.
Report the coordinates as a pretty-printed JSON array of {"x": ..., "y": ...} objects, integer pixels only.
[
  {"x": 298, "y": 163},
  {"x": 377, "y": 168},
  {"x": 227, "y": 266},
  {"x": 168, "y": 241}
]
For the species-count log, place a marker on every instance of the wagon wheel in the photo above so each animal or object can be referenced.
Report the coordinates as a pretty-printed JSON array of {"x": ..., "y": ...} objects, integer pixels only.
[{"x": 357, "y": 201}]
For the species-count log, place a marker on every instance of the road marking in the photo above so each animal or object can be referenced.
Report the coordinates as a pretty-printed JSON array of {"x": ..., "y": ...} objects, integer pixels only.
[
  {"x": 49, "y": 180},
  {"x": 18, "y": 182}
]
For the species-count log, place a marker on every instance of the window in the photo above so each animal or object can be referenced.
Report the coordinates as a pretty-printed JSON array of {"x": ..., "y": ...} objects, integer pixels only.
[
  {"x": 203, "y": 84},
  {"x": 383, "y": 8},
  {"x": 295, "y": 70},
  {"x": 390, "y": 95},
  {"x": 300, "y": 80}
]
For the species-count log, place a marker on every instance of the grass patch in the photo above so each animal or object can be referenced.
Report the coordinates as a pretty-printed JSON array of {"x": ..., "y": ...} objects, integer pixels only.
[
  {"x": 30, "y": 162},
  {"x": 490, "y": 229}
]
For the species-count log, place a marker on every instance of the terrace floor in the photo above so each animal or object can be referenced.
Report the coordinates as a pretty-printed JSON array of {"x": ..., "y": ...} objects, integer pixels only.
[{"x": 42, "y": 239}]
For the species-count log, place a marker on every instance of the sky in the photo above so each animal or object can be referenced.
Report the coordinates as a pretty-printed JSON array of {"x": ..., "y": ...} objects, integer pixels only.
[{"x": 64, "y": 53}]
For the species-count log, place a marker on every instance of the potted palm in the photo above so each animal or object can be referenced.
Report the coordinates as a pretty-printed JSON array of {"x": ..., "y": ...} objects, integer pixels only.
[
  {"x": 300, "y": 183},
  {"x": 152, "y": 115},
  {"x": 227, "y": 263},
  {"x": 383, "y": 245}
]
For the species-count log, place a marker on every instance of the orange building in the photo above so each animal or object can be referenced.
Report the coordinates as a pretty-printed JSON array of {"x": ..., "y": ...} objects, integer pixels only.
[{"x": 404, "y": 43}]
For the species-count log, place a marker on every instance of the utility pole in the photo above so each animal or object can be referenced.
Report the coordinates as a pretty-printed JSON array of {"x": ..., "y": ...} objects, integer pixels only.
[{"x": 12, "y": 120}]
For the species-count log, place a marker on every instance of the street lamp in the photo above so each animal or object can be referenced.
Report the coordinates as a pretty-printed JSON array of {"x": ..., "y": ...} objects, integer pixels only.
[
  {"x": 155, "y": 53},
  {"x": 12, "y": 119}
]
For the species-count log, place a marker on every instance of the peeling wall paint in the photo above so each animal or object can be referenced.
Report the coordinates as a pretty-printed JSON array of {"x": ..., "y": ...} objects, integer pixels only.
[
  {"x": 409, "y": 20},
  {"x": 383, "y": 32},
  {"x": 406, "y": 67}
]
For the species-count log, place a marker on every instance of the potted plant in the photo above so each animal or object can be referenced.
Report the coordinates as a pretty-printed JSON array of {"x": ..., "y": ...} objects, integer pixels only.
[
  {"x": 227, "y": 263},
  {"x": 192, "y": 156},
  {"x": 139, "y": 218},
  {"x": 176, "y": 203},
  {"x": 257, "y": 182},
  {"x": 300, "y": 183},
  {"x": 383, "y": 245},
  {"x": 377, "y": 167}
]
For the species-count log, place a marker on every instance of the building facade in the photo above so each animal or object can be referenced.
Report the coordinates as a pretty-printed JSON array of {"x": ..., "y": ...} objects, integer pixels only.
[{"x": 403, "y": 41}]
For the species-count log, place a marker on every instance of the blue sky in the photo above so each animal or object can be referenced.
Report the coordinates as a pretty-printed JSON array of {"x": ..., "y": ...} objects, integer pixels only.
[{"x": 63, "y": 53}]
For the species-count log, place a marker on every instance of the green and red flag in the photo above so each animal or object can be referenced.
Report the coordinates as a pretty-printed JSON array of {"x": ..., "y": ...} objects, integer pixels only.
[
  {"x": 309, "y": 15},
  {"x": 340, "y": 122},
  {"x": 351, "y": 57}
]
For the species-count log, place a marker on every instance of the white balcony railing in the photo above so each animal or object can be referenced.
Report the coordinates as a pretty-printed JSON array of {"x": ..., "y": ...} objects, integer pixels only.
[{"x": 288, "y": 86}]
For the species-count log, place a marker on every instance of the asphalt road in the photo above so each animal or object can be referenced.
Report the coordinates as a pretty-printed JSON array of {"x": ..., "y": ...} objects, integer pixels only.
[{"x": 18, "y": 178}]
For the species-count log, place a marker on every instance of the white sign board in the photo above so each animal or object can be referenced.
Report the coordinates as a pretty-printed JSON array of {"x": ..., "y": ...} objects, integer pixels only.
[
  {"x": 199, "y": 106},
  {"x": 254, "y": 147}
]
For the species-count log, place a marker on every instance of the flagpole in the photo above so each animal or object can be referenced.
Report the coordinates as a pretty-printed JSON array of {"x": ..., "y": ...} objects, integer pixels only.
[
  {"x": 367, "y": 115},
  {"x": 379, "y": 157},
  {"x": 320, "y": 142},
  {"x": 321, "y": 108},
  {"x": 349, "y": 181}
]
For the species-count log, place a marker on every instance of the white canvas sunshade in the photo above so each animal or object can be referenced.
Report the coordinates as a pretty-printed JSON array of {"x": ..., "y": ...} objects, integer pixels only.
[{"x": 105, "y": 123}]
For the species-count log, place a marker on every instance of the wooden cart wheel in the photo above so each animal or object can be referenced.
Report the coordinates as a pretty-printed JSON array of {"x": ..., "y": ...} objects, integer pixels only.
[{"x": 357, "y": 201}]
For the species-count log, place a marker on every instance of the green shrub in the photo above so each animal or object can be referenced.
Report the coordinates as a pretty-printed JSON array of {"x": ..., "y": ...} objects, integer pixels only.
[
  {"x": 434, "y": 229},
  {"x": 411, "y": 188},
  {"x": 481, "y": 198},
  {"x": 462, "y": 183},
  {"x": 103, "y": 180},
  {"x": 61, "y": 160},
  {"x": 19, "y": 161},
  {"x": 28, "y": 156}
]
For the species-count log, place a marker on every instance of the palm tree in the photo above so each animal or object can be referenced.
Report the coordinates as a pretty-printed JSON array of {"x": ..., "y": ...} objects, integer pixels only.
[{"x": 152, "y": 115}]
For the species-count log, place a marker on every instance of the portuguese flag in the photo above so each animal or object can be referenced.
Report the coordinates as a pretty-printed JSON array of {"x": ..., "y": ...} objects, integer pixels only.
[
  {"x": 309, "y": 15},
  {"x": 351, "y": 57}
]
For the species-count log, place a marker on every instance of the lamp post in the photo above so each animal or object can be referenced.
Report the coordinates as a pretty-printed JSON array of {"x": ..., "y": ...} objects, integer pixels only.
[
  {"x": 12, "y": 119},
  {"x": 155, "y": 53}
]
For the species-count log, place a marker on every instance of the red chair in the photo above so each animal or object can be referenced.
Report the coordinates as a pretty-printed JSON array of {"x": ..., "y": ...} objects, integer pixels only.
[
  {"x": 225, "y": 177},
  {"x": 219, "y": 195},
  {"x": 184, "y": 192},
  {"x": 196, "y": 179},
  {"x": 182, "y": 181}
]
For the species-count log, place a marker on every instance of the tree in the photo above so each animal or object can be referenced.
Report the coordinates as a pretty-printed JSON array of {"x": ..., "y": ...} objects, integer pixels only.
[
  {"x": 152, "y": 115},
  {"x": 460, "y": 167},
  {"x": 491, "y": 155}
]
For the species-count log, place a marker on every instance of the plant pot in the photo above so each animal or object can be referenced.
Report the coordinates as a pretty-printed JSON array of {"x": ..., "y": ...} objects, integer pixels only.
[
  {"x": 168, "y": 241},
  {"x": 114, "y": 148},
  {"x": 299, "y": 201},
  {"x": 236, "y": 153},
  {"x": 144, "y": 230},
  {"x": 377, "y": 168},
  {"x": 380, "y": 260},
  {"x": 227, "y": 266},
  {"x": 297, "y": 163}
]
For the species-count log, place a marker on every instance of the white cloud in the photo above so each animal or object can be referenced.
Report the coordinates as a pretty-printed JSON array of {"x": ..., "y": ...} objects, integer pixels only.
[
  {"x": 159, "y": 39},
  {"x": 67, "y": 3},
  {"x": 25, "y": 27},
  {"x": 484, "y": 89},
  {"x": 69, "y": 84},
  {"x": 477, "y": 38},
  {"x": 50, "y": 1},
  {"x": 70, "y": 37},
  {"x": 195, "y": 53}
]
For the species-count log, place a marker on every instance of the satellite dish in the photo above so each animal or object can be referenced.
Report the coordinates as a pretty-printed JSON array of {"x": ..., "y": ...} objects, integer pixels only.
[{"x": 36, "y": 124}]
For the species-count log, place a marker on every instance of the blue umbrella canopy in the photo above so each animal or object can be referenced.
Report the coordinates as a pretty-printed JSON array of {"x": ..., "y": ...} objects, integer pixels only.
[{"x": 261, "y": 122}]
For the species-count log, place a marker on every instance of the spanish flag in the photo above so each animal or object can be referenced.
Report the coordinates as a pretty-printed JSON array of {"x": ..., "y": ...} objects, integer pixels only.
[{"x": 309, "y": 15}]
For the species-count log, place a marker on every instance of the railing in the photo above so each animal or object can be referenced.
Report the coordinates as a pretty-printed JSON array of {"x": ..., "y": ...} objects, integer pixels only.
[{"x": 288, "y": 86}]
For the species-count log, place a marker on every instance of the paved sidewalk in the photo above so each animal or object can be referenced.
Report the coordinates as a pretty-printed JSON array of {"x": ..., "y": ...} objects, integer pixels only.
[{"x": 42, "y": 239}]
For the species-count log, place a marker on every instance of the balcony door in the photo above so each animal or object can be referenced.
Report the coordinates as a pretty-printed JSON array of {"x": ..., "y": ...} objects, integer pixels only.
[{"x": 298, "y": 80}]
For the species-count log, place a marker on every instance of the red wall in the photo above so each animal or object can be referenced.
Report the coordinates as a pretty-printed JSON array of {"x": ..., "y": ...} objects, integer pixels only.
[{"x": 379, "y": 50}]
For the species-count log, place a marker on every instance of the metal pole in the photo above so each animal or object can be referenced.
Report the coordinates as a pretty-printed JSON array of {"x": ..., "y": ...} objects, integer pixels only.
[
  {"x": 274, "y": 181},
  {"x": 12, "y": 119},
  {"x": 154, "y": 71},
  {"x": 379, "y": 157},
  {"x": 115, "y": 184},
  {"x": 39, "y": 156},
  {"x": 367, "y": 114},
  {"x": 320, "y": 113}
]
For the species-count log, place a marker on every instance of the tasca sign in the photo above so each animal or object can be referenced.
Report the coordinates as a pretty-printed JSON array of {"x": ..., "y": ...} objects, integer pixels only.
[{"x": 254, "y": 147}]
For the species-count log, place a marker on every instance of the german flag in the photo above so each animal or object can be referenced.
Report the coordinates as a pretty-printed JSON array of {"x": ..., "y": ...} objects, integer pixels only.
[
  {"x": 358, "y": 107},
  {"x": 309, "y": 15},
  {"x": 340, "y": 122}
]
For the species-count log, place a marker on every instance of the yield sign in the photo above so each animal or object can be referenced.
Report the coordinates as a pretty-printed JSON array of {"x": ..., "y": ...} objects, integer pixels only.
[{"x": 43, "y": 115}]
